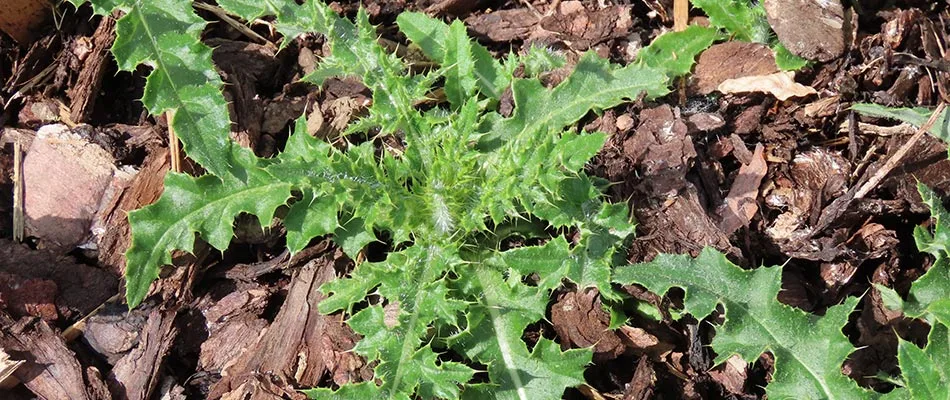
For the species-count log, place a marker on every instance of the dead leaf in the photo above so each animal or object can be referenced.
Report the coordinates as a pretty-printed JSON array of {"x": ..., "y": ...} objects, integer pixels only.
[
  {"x": 782, "y": 85},
  {"x": 732, "y": 374}
]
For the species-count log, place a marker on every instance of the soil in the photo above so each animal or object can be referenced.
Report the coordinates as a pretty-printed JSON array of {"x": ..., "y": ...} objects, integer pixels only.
[{"x": 766, "y": 181}]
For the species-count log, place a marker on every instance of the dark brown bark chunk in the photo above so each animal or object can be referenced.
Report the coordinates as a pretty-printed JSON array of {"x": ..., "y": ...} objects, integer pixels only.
[
  {"x": 811, "y": 29},
  {"x": 300, "y": 347},
  {"x": 51, "y": 370},
  {"x": 730, "y": 60}
]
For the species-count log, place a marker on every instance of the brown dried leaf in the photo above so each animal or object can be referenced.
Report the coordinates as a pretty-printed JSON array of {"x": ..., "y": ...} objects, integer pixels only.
[{"x": 782, "y": 85}]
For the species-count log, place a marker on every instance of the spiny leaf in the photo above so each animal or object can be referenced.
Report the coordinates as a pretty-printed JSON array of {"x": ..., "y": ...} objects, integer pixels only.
[
  {"x": 594, "y": 84},
  {"x": 934, "y": 286},
  {"x": 250, "y": 9},
  {"x": 785, "y": 60},
  {"x": 542, "y": 374},
  {"x": 551, "y": 262},
  {"x": 205, "y": 205},
  {"x": 809, "y": 350},
  {"x": 926, "y": 371},
  {"x": 540, "y": 59},
  {"x": 362, "y": 390},
  {"x": 737, "y": 17},
  {"x": 164, "y": 35},
  {"x": 431, "y": 36},
  {"x": 394, "y": 336},
  {"x": 460, "y": 65},
  {"x": 493, "y": 337},
  {"x": 308, "y": 218}
]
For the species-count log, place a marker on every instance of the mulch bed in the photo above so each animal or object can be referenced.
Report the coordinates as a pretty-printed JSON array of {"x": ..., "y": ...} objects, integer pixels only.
[{"x": 750, "y": 175}]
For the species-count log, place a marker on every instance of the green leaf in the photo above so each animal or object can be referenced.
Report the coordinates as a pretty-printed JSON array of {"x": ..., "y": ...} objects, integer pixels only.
[
  {"x": 594, "y": 84},
  {"x": 308, "y": 218},
  {"x": 205, "y": 205},
  {"x": 675, "y": 52},
  {"x": 250, "y": 9},
  {"x": 540, "y": 59},
  {"x": 164, "y": 35},
  {"x": 927, "y": 371},
  {"x": 809, "y": 350},
  {"x": 914, "y": 116},
  {"x": 935, "y": 243},
  {"x": 941, "y": 310},
  {"x": 493, "y": 337},
  {"x": 785, "y": 60},
  {"x": 934, "y": 285},
  {"x": 352, "y": 237},
  {"x": 362, "y": 390},
  {"x": 460, "y": 66},
  {"x": 737, "y": 17},
  {"x": 891, "y": 299},
  {"x": 550, "y": 262},
  {"x": 394, "y": 337},
  {"x": 542, "y": 374},
  {"x": 431, "y": 36}
]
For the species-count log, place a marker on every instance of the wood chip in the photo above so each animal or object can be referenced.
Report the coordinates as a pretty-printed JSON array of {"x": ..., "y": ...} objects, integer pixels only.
[
  {"x": 730, "y": 60},
  {"x": 21, "y": 18},
  {"x": 64, "y": 179},
  {"x": 740, "y": 205},
  {"x": 136, "y": 375},
  {"x": 51, "y": 370},
  {"x": 300, "y": 348},
  {"x": 811, "y": 29}
]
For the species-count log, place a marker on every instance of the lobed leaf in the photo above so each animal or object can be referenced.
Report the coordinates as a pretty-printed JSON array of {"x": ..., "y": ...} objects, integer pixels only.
[
  {"x": 540, "y": 59},
  {"x": 459, "y": 65},
  {"x": 493, "y": 337},
  {"x": 164, "y": 35},
  {"x": 785, "y": 60},
  {"x": 431, "y": 35},
  {"x": 809, "y": 350},
  {"x": 930, "y": 292},
  {"x": 738, "y": 17},
  {"x": 207, "y": 206},
  {"x": 926, "y": 371}
]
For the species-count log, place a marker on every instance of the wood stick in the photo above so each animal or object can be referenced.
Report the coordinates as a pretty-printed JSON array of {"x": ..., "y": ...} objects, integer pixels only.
[
  {"x": 18, "y": 227},
  {"x": 680, "y": 14},
  {"x": 174, "y": 149},
  {"x": 895, "y": 159}
]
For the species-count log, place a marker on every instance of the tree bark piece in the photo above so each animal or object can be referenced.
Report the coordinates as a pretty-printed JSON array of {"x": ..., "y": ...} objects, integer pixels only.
[
  {"x": 299, "y": 347},
  {"x": 112, "y": 219},
  {"x": 51, "y": 370},
  {"x": 20, "y": 18},
  {"x": 82, "y": 96},
  {"x": 136, "y": 375}
]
